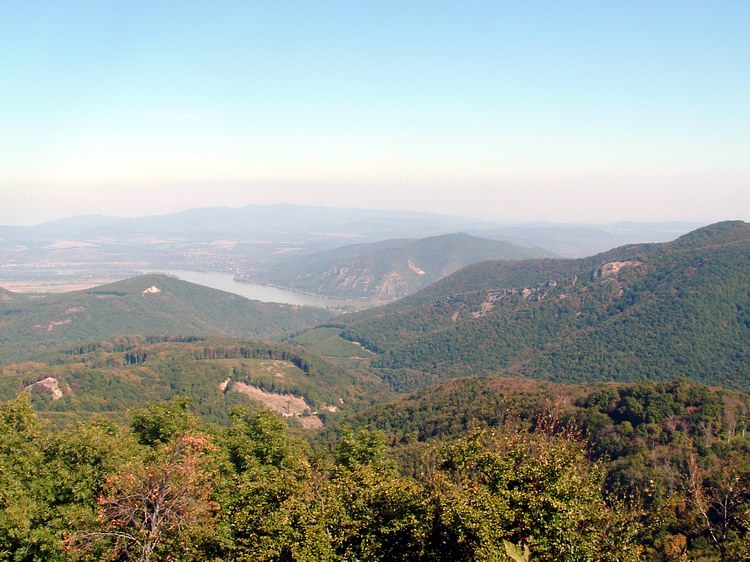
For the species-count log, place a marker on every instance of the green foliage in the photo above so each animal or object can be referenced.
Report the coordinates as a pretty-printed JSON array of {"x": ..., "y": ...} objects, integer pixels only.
[
  {"x": 252, "y": 492},
  {"x": 364, "y": 447},
  {"x": 258, "y": 439},
  {"x": 641, "y": 435},
  {"x": 49, "y": 482},
  {"x": 474, "y": 489},
  {"x": 29, "y": 327},
  {"x": 536, "y": 489},
  {"x": 161, "y": 423},
  {"x": 98, "y": 378},
  {"x": 22, "y": 515},
  {"x": 653, "y": 311}
]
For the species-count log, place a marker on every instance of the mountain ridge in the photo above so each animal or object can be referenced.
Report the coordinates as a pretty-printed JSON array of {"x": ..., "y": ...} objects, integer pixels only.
[
  {"x": 639, "y": 311},
  {"x": 391, "y": 269}
]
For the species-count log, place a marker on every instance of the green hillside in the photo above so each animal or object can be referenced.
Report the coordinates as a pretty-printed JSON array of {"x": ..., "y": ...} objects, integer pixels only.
[
  {"x": 451, "y": 408},
  {"x": 651, "y": 311},
  {"x": 327, "y": 342},
  {"x": 150, "y": 305},
  {"x": 485, "y": 469},
  {"x": 392, "y": 269},
  {"x": 111, "y": 377}
]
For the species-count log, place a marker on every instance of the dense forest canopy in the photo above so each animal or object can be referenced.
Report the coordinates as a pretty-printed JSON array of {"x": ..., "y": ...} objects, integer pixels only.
[{"x": 648, "y": 471}]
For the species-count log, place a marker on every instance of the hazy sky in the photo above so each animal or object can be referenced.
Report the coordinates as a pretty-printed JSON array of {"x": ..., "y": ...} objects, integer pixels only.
[{"x": 566, "y": 111}]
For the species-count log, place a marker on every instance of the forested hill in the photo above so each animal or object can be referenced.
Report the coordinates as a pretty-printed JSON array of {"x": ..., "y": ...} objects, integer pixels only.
[
  {"x": 647, "y": 311},
  {"x": 111, "y": 377},
  {"x": 392, "y": 269},
  {"x": 621, "y": 420},
  {"x": 150, "y": 305}
]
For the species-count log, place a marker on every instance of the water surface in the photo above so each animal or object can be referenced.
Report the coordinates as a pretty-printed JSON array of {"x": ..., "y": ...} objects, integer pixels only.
[{"x": 265, "y": 293}]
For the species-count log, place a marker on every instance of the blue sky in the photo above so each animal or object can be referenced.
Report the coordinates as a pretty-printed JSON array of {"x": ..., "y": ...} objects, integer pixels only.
[{"x": 564, "y": 111}]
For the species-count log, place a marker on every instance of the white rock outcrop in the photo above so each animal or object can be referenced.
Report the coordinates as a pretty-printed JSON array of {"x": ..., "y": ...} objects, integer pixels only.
[{"x": 50, "y": 386}]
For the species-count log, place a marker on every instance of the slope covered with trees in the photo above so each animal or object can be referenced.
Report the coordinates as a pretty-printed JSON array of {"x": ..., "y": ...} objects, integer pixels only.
[
  {"x": 674, "y": 452},
  {"x": 647, "y": 471},
  {"x": 170, "y": 487},
  {"x": 472, "y": 468},
  {"x": 111, "y": 377},
  {"x": 391, "y": 269},
  {"x": 653, "y": 311},
  {"x": 149, "y": 305}
]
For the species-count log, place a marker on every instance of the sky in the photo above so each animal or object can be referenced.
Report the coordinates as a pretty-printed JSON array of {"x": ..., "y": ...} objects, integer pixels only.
[{"x": 508, "y": 111}]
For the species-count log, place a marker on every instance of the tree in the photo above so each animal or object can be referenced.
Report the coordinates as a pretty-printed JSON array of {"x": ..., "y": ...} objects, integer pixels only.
[
  {"x": 25, "y": 485},
  {"x": 535, "y": 490},
  {"x": 160, "y": 423},
  {"x": 161, "y": 506},
  {"x": 363, "y": 447},
  {"x": 721, "y": 498}
]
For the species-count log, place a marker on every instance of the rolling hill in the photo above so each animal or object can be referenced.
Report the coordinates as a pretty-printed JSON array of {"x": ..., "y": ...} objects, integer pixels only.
[
  {"x": 150, "y": 305},
  {"x": 111, "y": 377},
  {"x": 456, "y": 406},
  {"x": 647, "y": 311},
  {"x": 391, "y": 269}
]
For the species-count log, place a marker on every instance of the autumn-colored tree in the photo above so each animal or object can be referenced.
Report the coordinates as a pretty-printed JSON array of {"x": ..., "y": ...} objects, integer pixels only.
[{"x": 162, "y": 506}]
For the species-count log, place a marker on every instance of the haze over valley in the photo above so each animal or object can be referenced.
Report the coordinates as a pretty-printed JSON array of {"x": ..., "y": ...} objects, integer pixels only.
[{"x": 375, "y": 255}]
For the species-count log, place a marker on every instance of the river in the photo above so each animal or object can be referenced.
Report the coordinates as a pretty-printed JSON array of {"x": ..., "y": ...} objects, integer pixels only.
[{"x": 265, "y": 293}]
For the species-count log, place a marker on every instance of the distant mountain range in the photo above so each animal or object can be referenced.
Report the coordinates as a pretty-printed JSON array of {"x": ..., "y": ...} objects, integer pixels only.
[
  {"x": 646, "y": 311},
  {"x": 253, "y": 223},
  {"x": 148, "y": 305},
  {"x": 580, "y": 240},
  {"x": 391, "y": 269},
  {"x": 256, "y": 234}
]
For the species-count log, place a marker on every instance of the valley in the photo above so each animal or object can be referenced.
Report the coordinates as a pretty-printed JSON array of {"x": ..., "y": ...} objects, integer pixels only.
[
  {"x": 621, "y": 376},
  {"x": 290, "y": 247}
]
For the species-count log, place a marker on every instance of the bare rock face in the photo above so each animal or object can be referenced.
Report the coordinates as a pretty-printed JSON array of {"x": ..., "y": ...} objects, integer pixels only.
[
  {"x": 287, "y": 405},
  {"x": 415, "y": 268},
  {"x": 152, "y": 290},
  {"x": 49, "y": 386},
  {"x": 611, "y": 269}
]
